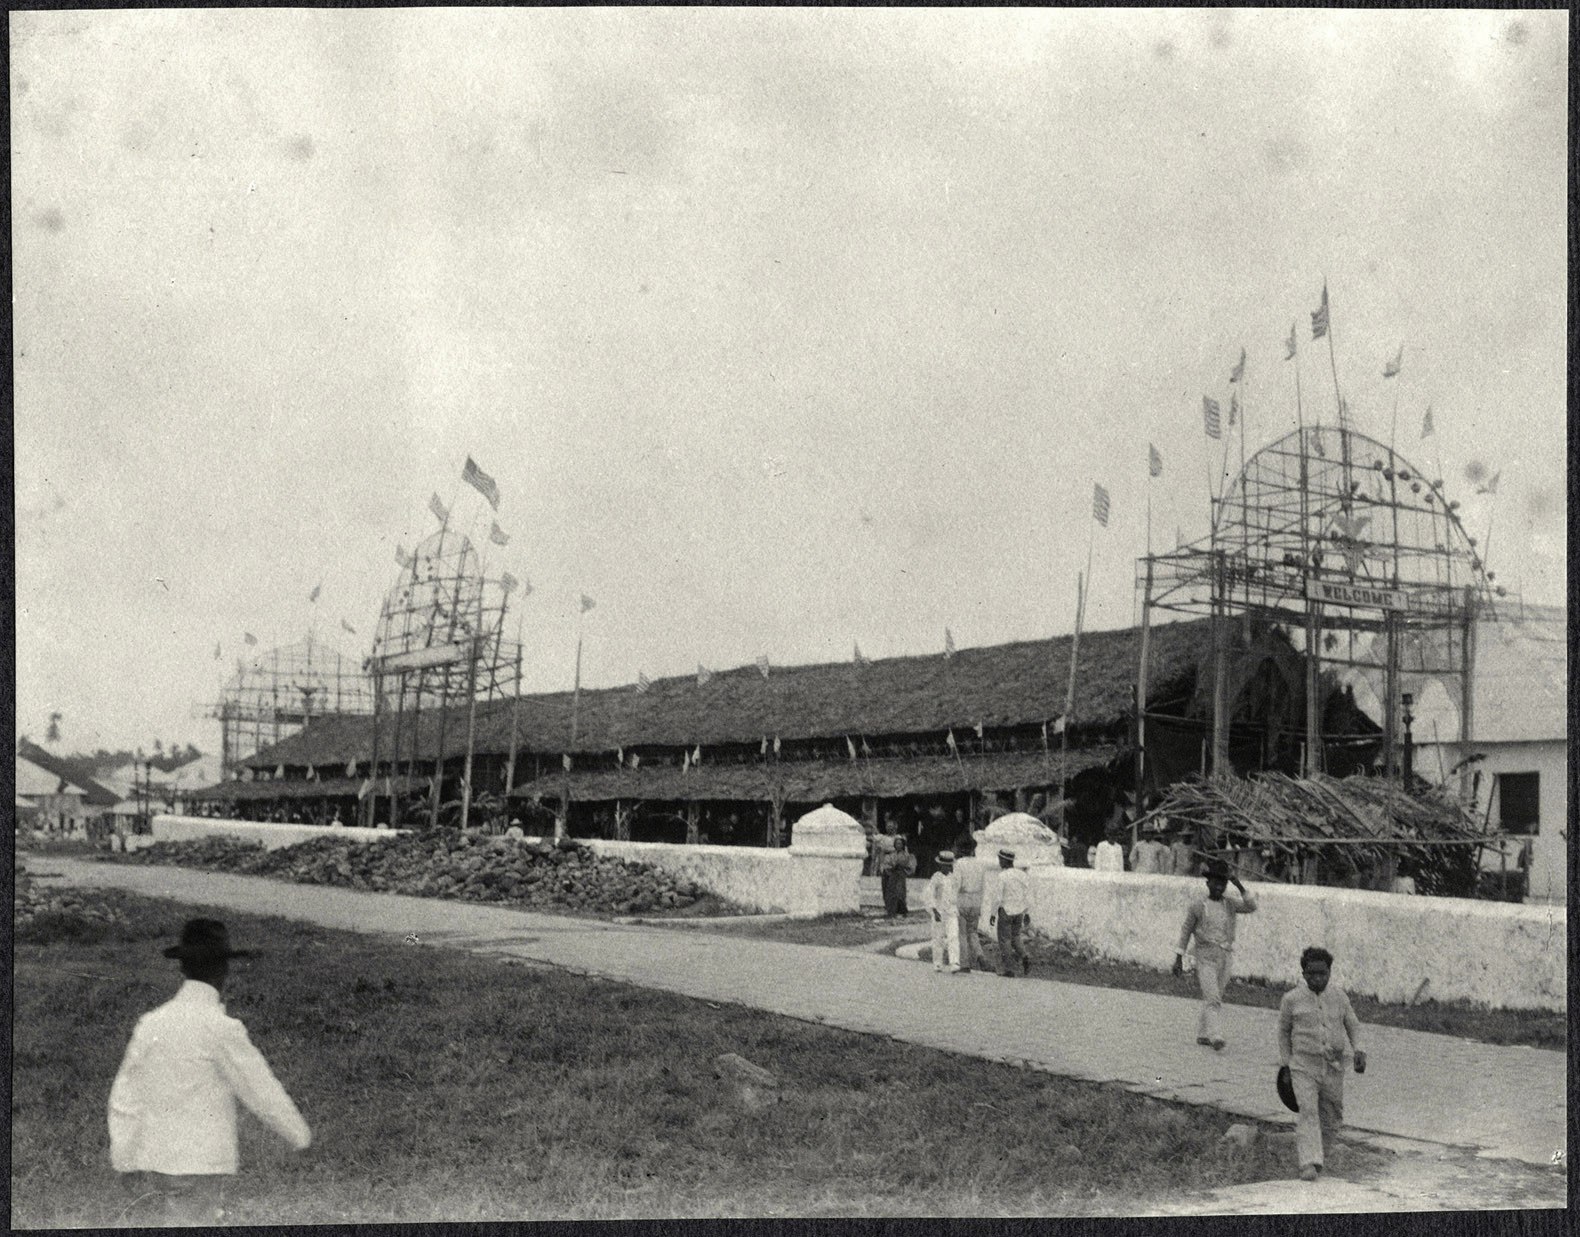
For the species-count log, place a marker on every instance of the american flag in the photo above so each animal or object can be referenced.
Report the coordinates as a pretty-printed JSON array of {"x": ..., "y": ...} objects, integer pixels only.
[
  {"x": 1100, "y": 505},
  {"x": 481, "y": 482},
  {"x": 440, "y": 511},
  {"x": 1154, "y": 462},
  {"x": 1289, "y": 344},
  {"x": 1391, "y": 368},
  {"x": 703, "y": 675},
  {"x": 1319, "y": 316},
  {"x": 1209, "y": 412},
  {"x": 1239, "y": 368},
  {"x": 643, "y": 683},
  {"x": 1426, "y": 423}
]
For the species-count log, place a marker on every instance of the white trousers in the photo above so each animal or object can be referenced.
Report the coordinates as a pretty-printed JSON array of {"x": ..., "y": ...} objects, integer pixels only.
[{"x": 946, "y": 941}]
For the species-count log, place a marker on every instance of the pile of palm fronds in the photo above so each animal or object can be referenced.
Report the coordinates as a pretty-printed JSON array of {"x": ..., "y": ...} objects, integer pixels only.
[{"x": 1355, "y": 830}]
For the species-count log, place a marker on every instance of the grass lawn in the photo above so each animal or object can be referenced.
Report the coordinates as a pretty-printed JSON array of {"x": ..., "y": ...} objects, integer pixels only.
[
  {"x": 446, "y": 1086},
  {"x": 1535, "y": 1028}
]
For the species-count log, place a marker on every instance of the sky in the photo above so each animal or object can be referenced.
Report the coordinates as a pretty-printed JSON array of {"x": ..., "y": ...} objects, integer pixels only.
[{"x": 780, "y": 331}]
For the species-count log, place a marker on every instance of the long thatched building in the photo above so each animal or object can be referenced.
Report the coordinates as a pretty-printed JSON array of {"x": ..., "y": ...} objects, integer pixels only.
[{"x": 934, "y": 743}]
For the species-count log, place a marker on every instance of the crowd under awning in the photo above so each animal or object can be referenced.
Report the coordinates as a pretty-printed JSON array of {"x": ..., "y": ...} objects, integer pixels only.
[{"x": 818, "y": 781}]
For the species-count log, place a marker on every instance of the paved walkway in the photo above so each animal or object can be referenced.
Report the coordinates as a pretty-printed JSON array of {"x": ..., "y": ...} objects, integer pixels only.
[{"x": 1505, "y": 1103}]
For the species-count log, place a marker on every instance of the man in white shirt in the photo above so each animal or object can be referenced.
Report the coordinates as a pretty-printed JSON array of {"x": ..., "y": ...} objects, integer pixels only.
[
  {"x": 1317, "y": 1030},
  {"x": 943, "y": 909},
  {"x": 1012, "y": 903},
  {"x": 172, "y": 1110},
  {"x": 1211, "y": 921},
  {"x": 968, "y": 903}
]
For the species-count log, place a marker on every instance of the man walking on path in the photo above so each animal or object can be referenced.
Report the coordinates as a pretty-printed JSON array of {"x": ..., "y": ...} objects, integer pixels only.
[
  {"x": 1317, "y": 1029},
  {"x": 968, "y": 900},
  {"x": 1011, "y": 904},
  {"x": 1211, "y": 921},
  {"x": 172, "y": 1109},
  {"x": 943, "y": 906}
]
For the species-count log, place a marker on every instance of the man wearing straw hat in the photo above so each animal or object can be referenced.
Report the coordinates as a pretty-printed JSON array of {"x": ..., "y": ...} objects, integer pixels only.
[
  {"x": 944, "y": 909},
  {"x": 172, "y": 1108}
]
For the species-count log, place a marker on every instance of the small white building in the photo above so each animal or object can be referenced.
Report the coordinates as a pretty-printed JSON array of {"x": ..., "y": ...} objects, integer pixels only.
[{"x": 1518, "y": 753}]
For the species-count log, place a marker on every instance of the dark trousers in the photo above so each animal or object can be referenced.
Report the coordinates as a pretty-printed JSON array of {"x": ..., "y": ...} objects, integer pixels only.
[
  {"x": 1010, "y": 928},
  {"x": 894, "y": 890}
]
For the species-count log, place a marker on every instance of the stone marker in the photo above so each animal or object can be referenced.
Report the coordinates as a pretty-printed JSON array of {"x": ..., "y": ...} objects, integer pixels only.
[{"x": 754, "y": 1086}]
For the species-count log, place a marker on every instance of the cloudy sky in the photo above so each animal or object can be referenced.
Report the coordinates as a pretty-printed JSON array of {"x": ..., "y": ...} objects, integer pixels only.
[{"x": 780, "y": 330}]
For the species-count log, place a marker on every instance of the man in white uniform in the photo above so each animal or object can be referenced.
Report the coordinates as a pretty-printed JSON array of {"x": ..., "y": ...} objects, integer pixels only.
[
  {"x": 173, "y": 1103},
  {"x": 944, "y": 910}
]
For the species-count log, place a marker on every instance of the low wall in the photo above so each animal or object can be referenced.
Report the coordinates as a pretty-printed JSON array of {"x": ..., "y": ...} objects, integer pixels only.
[
  {"x": 1384, "y": 945},
  {"x": 273, "y": 836},
  {"x": 758, "y": 879}
]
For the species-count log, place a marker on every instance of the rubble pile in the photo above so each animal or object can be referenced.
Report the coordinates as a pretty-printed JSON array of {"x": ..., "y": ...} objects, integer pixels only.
[{"x": 448, "y": 864}]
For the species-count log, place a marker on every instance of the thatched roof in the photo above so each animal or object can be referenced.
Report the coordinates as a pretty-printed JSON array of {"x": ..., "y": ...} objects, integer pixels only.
[
  {"x": 812, "y": 781},
  {"x": 1006, "y": 685},
  {"x": 300, "y": 788},
  {"x": 94, "y": 795},
  {"x": 1294, "y": 813}
]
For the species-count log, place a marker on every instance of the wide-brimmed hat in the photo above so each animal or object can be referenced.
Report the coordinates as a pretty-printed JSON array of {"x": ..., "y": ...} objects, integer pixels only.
[
  {"x": 1286, "y": 1089},
  {"x": 945, "y": 856},
  {"x": 205, "y": 940}
]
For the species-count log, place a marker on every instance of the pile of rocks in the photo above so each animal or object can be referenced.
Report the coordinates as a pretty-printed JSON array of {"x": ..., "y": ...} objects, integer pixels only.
[
  {"x": 449, "y": 864},
  {"x": 43, "y": 911}
]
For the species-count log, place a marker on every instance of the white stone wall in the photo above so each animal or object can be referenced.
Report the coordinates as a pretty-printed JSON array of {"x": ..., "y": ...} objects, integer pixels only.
[
  {"x": 273, "y": 836},
  {"x": 1384, "y": 945},
  {"x": 770, "y": 881}
]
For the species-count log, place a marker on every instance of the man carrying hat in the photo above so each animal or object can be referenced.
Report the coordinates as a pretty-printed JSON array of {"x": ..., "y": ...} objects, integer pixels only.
[
  {"x": 1317, "y": 1030},
  {"x": 943, "y": 905},
  {"x": 1211, "y": 921},
  {"x": 172, "y": 1106}
]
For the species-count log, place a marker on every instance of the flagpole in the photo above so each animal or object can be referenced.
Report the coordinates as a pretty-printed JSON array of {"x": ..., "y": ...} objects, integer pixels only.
[
  {"x": 1069, "y": 693},
  {"x": 576, "y": 693},
  {"x": 1344, "y": 428},
  {"x": 515, "y": 710}
]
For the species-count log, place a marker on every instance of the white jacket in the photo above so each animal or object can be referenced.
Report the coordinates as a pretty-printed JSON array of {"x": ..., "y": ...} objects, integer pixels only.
[{"x": 173, "y": 1103}]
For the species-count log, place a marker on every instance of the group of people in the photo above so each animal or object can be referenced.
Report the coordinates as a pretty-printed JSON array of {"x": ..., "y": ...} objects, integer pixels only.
[
  {"x": 964, "y": 906},
  {"x": 1318, "y": 1031}
]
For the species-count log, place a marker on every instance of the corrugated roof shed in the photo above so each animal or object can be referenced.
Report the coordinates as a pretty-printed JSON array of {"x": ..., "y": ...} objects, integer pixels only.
[{"x": 1000, "y": 685}]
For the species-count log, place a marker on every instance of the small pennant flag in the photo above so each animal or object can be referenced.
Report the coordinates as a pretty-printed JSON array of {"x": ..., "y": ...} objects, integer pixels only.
[
  {"x": 763, "y": 750},
  {"x": 1391, "y": 368},
  {"x": 1426, "y": 423},
  {"x": 249, "y": 637},
  {"x": 762, "y": 666},
  {"x": 317, "y": 588},
  {"x": 587, "y": 603},
  {"x": 312, "y": 773},
  {"x": 367, "y": 785},
  {"x": 1154, "y": 462},
  {"x": 851, "y": 747},
  {"x": 1289, "y": 344},
  {"x": 565, "y": 761},
  {"x": 440, "y": 512},
  {"x": 949, "y": 643},
  {"x": 1234, "y": 408},
  {"x": 279, "y": 772},
  {"x": 703, "y": 675},
  {"x": 979, "y": 730},
  {"x": 1209, "y": 413},
  {"x": 619, "y": 755},
  {"x": 1100, "y": 505},
  {"x": 216, "y": 652},
  {"x": 949, "y": 739},
  {"x": 1045, "y": 734},
  {"x": 351, "y": 768},
  {"x": 508, "y": 582},
  {"x": 1058, "y": 724},
  {"x": 402, "y": 557},
  {"x": 643, "y": 683},
  {"x": 865, "y": 750},
  {"x": 776, "y": 745},
  {"x": 481, "y": 482},
  {"x": 685, "y": 761},
  {"x": 348, "y": 627},
  {"x": 1319, "y": 316},
  {"x": 636, "y": 760},
  {"x": 696, "y": 756},
  {"x": 1492, "y": 486},
  {"x": 498, "y": 535},
  {"x": 1239, "y": 368},
  {"x": 1316, "y": 444},
  {"x": 856, "y": 655}
]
